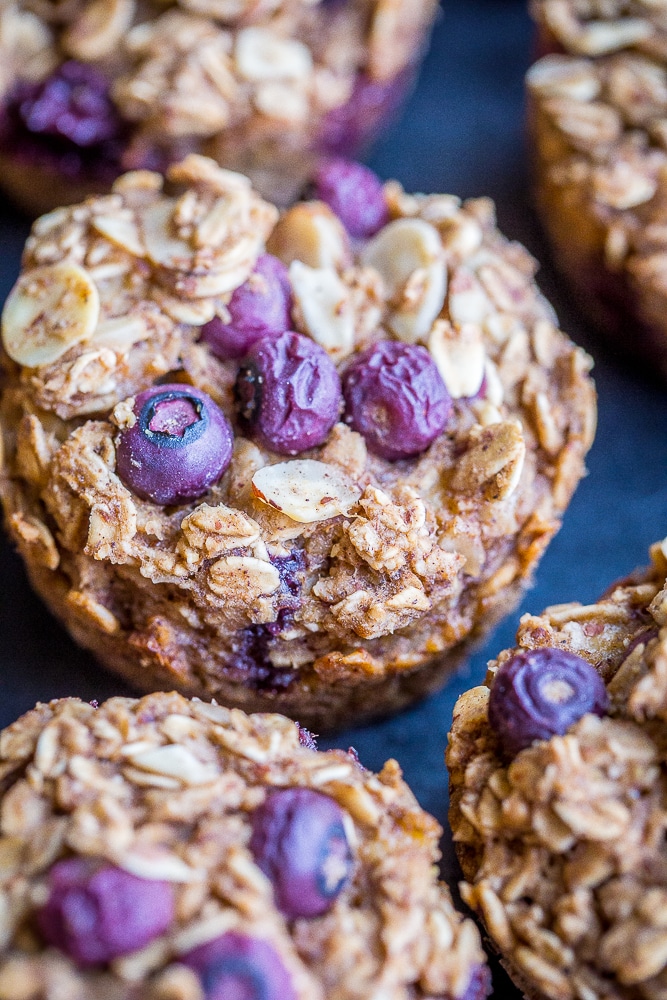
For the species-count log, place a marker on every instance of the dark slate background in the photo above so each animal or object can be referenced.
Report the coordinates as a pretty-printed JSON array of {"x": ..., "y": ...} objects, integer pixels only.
[{"x": 462, "y": 132}]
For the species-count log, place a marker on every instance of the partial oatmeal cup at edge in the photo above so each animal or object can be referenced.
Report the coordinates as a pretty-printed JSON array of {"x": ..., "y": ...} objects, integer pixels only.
[
  {"x": 167, "y": 849},
  {"x": 597, "y": 103},
  {"x": 92, "y": 88},
  {"x": 557, "y": 795},
  {"x": 298, "y": 462}
]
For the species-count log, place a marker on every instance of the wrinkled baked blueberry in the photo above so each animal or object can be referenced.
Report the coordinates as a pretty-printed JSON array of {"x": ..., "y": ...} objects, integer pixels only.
[
  {"x": 259, "y": 307},
  {"x": 299, "y": 842},
  {"x": 354, "y": 193},
  {"x": 288, "y": 393},
  {"x": 96, "y": 912},
  {"x": 395, "y": 396},
  {"x": 540, "y": 693},
  {"x": 180, "y": 445},
  {"x": 73, "y": 103},
  {"x": 239, "y": 967}
]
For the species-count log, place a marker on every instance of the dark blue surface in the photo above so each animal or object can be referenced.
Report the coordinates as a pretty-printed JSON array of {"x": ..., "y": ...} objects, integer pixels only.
[{"x": 462, "y": 132}]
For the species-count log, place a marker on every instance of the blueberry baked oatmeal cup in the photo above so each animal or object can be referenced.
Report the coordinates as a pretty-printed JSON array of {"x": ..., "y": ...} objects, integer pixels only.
[
  {"x": 90, "y": 88},
  {"x": 558, "y": 789},
  {"x": 295, "y": 461},
  {"x": 597, "y": 108},
  {"x": 165, "y": 849}
]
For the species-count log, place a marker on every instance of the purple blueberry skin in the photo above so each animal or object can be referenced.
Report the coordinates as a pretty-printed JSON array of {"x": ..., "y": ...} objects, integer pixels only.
[
  {"x": 173, "y": 461},
  {"x": 73, "y": 103},
  {"x": 67, "y": 123},
  {"x": 352, "y": 126},
  {"x": 354, "y": 193},
  {"x": 479, "y": 986},
  {"x": 299, "y": 842},
  {"x": 521, "y": 708},
  {"x": 288, "y": 393},
  {"x": 395, "y": 397},
  {"x": 96, "y": 912},
  {"x": 257, "y": 308},
  {"x": 238, "y": 967}
]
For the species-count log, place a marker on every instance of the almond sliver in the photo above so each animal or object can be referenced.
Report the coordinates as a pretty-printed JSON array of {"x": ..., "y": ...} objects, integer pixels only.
[
  {"x": 48, "y": 310},
  {"x": 305, "y": 490}
]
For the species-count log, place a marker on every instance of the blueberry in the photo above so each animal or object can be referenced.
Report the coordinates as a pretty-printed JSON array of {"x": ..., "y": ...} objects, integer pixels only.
[
  {"x": 73, "y": 103},
  {"x": 96, "y": 912},
  {"x": 351, "y": 126},
  {"x": 395, "y": 396},
  {"x": 239, "y": 967},
  {"x": 354, "y": 193},
  {"x": 261, "y": 306},
  {"x": 180, "y": 445},
  {"x": 479, "y": 985},
  {"x": 288, "y": 393},
  {"x": 540, "y": 693},
  {"x": 299, "y": 842}
]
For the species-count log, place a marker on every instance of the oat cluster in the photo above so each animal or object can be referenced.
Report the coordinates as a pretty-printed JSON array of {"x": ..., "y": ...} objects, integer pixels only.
[
  {"x": 395, "y": 562},
  {"x": 165, "y": 789},
  {"x": 563, "y": 847}
]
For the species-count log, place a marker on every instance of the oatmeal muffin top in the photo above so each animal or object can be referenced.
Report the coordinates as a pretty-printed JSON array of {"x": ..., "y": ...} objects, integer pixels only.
[
  {"x": 346, "y": 432},
  {"x": 558, "y": 781},
  {"x": 165, "y": 849}
]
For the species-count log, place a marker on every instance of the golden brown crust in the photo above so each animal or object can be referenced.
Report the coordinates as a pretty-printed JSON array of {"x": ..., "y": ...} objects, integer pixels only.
[{"x": 560, "y": 847}]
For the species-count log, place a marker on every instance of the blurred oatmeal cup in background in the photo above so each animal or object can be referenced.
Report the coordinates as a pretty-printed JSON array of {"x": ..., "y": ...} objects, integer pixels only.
[
  {"x": 90, "y": 88},
  {"x": 597, "y": 101}
]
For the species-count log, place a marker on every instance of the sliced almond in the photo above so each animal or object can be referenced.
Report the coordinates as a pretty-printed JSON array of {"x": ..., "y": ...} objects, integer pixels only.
[
  {"x": 325, "y": 307},
  {"x": 164, "y": 246},
  {"x": 49, "y": 310},
  {"x": 468, "y": 302},
  {"x": 235, "y": 574},
  {"x": 194, "y": 312},
  {"x": 120, "y": 230},
  {"x": 408, "y": 254},
  {"x": 305, "y": 490},
  {"x": 262, "y": 55},
  {"x": 121, "y": 332},
  {"x": 311, "y": 233},
  {"x": 459, "y": 356},
  {"x": 175, "y": 761}
]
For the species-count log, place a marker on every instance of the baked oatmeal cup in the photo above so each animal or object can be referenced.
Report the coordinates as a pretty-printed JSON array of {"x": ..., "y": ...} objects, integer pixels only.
[
  {"x": 558, "y": 787},
  {"x": 298, "y": 462},
  {"x": 598, "y": 113},
  {"x": 90, "y": 88},
  {"x": 165, "y": 849}
]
